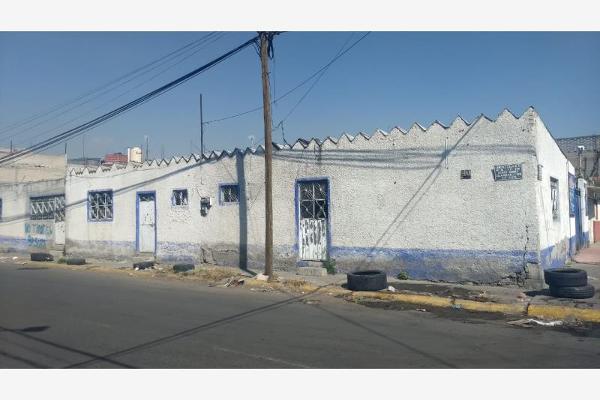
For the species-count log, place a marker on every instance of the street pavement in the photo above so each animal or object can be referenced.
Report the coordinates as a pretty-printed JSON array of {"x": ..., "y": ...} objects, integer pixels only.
[{"x": 73, "y": 318}]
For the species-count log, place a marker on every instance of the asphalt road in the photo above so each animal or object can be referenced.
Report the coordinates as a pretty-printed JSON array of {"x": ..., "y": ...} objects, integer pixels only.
[{"x": 63, "y": 318}]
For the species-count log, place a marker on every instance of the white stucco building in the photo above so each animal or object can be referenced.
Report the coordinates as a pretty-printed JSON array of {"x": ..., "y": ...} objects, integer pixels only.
[
  {"x": 482, "y": 201},
  {"x": 32, "y": 203}
]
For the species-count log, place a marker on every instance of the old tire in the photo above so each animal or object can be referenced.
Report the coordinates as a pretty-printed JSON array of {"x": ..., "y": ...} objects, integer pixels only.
[
  {"x": 367, "y": 280},
  {"x": 75, "y": 261},
  {"x": 563, "y": 277},
  {"x": 183, "y": 267},
  {"x": 41, "y": 257},
  {"x": 143, "y": 264},
  {"x": 573, "y": 292}
]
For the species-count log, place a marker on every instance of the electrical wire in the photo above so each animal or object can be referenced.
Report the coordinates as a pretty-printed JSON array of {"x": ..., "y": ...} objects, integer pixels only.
[
  {"x": 112, "y": 100},
  {"x": 103, "y": 118},
  {"x": 99, "y": 91},
  {"x": 304, "y": 82}
]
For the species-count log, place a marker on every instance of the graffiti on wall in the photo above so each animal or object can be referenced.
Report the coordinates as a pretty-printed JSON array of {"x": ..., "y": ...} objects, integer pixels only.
[{"x": 37, "y": 234}]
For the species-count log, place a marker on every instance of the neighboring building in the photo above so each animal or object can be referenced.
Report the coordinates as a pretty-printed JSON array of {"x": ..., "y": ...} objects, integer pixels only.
[
  {"x": 134, "y": 154},
  {"x": 584, "y": 153},
  {"x": 33, "y": 168},
  {"x": 586, "y": 160},
  {"x": 85, "y": 161},
  {"x": 32, "y": 203},
  {"x": 486, "y": 202},
  {"x": 115, "y": 158}
]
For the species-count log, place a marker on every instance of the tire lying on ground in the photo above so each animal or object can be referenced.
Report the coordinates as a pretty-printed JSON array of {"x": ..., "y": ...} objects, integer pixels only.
[
  {"x": 143, "y": 264},
  {"x": 41, "y": 257},
  {"x": 562, "y": 277},
  {"x": 183, "y": 267},
  {"x": 573, "y": 292},
  {"x": 75, "y": 261},
  {"x": 367, "y": 280}
]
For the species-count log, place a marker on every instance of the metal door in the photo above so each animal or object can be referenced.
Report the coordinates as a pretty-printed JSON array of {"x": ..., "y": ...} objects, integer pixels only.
[
  {"x": 314, "y": 209},
  {"x": 146, "y": 222}
]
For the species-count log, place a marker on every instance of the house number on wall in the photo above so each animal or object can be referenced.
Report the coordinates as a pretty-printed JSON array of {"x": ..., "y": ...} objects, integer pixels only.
[{"x": 509, "y": 172}]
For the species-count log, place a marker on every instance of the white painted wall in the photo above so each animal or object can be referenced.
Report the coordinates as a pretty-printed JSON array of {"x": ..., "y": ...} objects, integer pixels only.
[
  {"x": 17, "y": 231},
  {"x": 396, "y": 202}
]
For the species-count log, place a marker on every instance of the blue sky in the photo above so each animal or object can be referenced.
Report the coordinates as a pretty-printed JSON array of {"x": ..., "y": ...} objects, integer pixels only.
[{"x": 389, "y": 79}]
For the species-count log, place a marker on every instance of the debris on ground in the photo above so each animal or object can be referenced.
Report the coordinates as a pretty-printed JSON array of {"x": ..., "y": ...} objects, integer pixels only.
[
  {"x": 456, "y": 306},
  {"x": 421, "y": 310},
  {"x": 234, "y": 281},
  {"x": 391, "y": 289},
  {"x": 261, "y": 277},
  {"x": 295, "y": 283},
  {"x": 15, "y": 258},
  {"x": 530, "y": 322},
  {"x": 308, "y": 301},
  {"x": 261, "y": 289}
]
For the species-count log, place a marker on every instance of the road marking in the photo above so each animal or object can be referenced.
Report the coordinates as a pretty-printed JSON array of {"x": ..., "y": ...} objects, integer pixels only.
[{"x": 277, "y": 360}]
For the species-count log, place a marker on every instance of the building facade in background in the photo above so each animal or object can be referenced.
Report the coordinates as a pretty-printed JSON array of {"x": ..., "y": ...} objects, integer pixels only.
[
  {"x": 115, "y": 158},
  {"x": 32, "y": 203}
]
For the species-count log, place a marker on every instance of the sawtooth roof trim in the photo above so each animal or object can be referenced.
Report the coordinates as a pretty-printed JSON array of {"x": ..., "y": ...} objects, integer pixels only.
[{"x": 303, "y": 143}]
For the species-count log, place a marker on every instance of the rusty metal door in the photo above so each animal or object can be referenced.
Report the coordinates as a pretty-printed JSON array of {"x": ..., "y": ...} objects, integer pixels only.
[{"x": 314, "y": 209}]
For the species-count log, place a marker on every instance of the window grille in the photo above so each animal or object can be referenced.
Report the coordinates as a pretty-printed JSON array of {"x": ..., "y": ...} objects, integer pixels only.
[
  {"x": 100, "y": 206},
  {"x": 48, "y": 207},
  {"x": 313, "y": 200},
  {"x": 230, "y": 194},
  {"x": 554, "y": 198},
  {"x": 179, "y": 197}
]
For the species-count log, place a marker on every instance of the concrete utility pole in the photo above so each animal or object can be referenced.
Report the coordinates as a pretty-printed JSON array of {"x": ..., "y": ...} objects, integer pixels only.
[
  {"x": 265, "y": 42},
  {"x": 201, "y": 130}
]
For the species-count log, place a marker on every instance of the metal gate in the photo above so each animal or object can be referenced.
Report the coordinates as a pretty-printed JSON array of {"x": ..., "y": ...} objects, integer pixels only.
[
  {"x": 313, "y": 214},
  {"x": 146, "y": 222}
]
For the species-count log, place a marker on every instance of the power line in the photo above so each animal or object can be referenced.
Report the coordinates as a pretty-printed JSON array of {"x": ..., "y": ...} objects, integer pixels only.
[
  {"x": 333, "y": 60},
  {"x": 122, "y": 94},
  {"x": 311, "y": 86},
  {"x": 105, "y": 87},
  {"x": 103, "y": 118}
]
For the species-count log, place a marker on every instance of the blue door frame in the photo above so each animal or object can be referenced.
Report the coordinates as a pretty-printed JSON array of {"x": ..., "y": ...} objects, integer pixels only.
[
  {"x": 137, "y": 220},
  {"x": 297, "y": 212},
  {"x": 579, "y": 239}
]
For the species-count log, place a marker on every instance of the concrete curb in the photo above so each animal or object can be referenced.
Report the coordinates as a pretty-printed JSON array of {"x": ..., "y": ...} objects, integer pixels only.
[
  {"x": 522, "y": 309},
  {"x": 531, "y": 310},
  {"x": 560, "y": 312}
]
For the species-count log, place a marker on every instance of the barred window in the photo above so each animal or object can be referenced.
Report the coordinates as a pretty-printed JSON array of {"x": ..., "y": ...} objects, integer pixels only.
[
  {"x": 100, "y": 205},
  {"x": 179, "y": 197},
  {"x": 554, "y": 198},
  {"x": 48, "y": 207},
  {"x": 229, "y": 194}
]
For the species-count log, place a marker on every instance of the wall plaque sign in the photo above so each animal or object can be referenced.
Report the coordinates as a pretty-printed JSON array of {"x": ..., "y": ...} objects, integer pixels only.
[{"x": 508, "y": 172}]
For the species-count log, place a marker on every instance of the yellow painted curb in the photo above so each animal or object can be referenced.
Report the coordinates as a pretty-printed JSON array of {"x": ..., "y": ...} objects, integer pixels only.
[
  {"x": 560, "y": 312},
  {"x": 407, "y": 298},
  {"x": 491, "y": 307}
]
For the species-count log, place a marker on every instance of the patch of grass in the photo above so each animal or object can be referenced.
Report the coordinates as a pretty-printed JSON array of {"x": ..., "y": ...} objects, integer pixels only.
[
  {"x": 403, "y": 276},
  {"x": 329, "y": 265},
  {"x": 62, "y": 260},
  {"x": 295, "y": 283},
  {"x": 214, "y": 273}
]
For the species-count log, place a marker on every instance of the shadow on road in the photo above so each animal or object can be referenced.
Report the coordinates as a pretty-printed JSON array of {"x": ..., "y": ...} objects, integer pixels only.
[
  {"x": 390, "y": 339},
  {"x": 192, "y": 331},
  {"x": 24, "y": 332}
]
